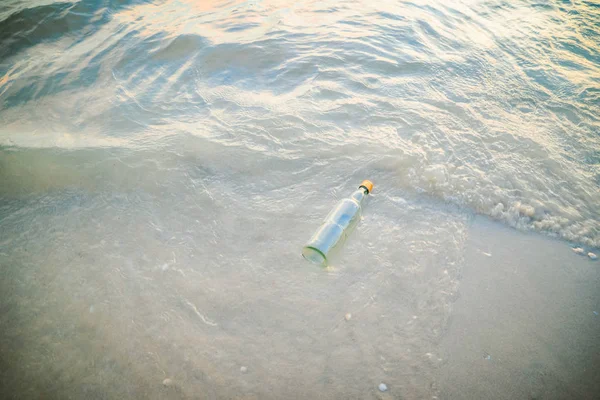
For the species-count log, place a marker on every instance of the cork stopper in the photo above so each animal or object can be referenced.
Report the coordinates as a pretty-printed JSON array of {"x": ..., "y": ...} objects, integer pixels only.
[{"x": 367, "y": 185}]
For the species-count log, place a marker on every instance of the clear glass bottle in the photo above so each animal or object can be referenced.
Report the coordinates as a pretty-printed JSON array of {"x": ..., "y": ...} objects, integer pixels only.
[{"x": 337, "y": 226}]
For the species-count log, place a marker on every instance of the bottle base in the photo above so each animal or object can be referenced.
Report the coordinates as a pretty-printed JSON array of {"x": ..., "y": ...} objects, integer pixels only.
[{"x": 315, "y": 256}]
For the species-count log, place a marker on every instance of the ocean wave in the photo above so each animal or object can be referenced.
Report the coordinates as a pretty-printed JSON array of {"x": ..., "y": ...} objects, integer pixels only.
[{"x": 489, "y": 105}]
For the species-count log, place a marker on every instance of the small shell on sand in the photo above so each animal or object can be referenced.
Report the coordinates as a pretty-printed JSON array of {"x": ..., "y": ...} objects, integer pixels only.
[
  {"x": 578, "y": 250},
  {"x": 348, "y": 317},
  {"x": 592, "y": 256},
  {"x": 168, "y": 382},
  {"x": 243, "y": 369},
  {"x": 383, "y": 387}
]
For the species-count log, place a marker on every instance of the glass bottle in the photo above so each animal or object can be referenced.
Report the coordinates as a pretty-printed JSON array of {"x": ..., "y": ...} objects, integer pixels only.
[{"x": 337, "y": 226}]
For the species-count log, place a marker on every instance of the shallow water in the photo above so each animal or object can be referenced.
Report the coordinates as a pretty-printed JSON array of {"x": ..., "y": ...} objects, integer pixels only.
[{"x": 162, "y": 164}]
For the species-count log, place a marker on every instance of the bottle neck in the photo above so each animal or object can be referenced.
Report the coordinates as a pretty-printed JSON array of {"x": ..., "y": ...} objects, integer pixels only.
[{"x": 360, "y": 194}]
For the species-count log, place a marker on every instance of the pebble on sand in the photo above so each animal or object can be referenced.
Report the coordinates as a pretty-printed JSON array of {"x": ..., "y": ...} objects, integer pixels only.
[
  {"x": 383, "y": 387},
  {"x": 243, "y": 369},
  {"x": 348, "y": 317},
  {"x": 168, "y": 382},
  {"x": 578, "y": 250},
  {"x": 592, "y": 256}
]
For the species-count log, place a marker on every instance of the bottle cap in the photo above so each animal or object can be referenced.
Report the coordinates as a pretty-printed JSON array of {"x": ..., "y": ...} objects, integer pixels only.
[{"x": 367, "y": 185}]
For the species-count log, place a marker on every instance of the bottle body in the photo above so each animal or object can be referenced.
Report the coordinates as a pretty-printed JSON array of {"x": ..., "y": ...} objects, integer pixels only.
[{"x": 332, "y": 234}]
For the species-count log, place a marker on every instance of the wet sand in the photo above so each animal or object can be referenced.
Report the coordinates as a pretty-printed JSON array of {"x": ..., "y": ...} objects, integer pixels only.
[{"x": 524, "y": 325}]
